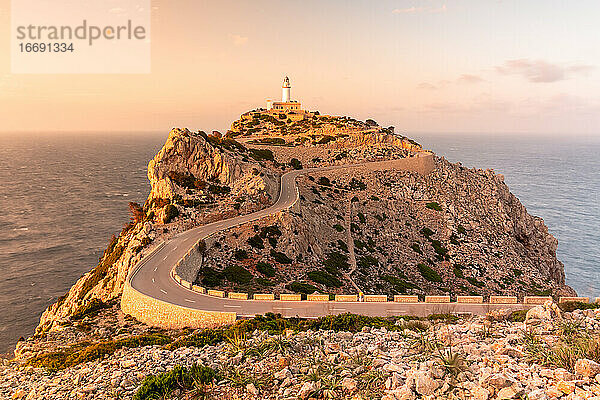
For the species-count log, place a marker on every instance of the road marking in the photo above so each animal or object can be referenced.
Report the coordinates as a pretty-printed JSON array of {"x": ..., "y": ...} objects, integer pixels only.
[
  {"x": 165, "y": 258},
  {"x": 175, "y": 248},
  {"x": 164, "y": 291},
  {"x": 282, "y": 308},
  {"x": 189, "y": 301},
  {"x": 155, "y": 268},
  {"x": 338, "y": 309},
  {"x": 152, "y": 280},
  {"x": 226, "y": 305}
]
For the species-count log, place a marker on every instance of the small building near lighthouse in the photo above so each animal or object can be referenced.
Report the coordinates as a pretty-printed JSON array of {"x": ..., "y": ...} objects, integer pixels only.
[{"x": 286, "y": 104}]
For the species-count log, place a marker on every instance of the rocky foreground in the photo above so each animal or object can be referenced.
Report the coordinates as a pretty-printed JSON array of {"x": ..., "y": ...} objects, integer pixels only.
[{"x": 551, "y": 355}]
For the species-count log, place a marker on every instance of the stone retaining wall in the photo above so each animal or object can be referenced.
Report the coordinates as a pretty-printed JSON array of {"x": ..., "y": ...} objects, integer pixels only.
[{"x": 165, "y": 315}]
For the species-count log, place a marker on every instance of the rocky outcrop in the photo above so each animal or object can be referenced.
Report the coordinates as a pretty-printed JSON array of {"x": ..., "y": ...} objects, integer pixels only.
[{"x": 185, "y": 159}]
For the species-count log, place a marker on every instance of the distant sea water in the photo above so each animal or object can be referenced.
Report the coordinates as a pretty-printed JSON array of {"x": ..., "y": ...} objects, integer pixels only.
[{"x": 63, "y": 196}]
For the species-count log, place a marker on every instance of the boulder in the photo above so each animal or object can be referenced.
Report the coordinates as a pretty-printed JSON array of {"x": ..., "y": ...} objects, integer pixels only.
[{"x": 587, "y": 368}]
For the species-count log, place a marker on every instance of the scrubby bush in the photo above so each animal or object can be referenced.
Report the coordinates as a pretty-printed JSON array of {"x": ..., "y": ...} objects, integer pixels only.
[
  {"x": 295, "y": 163},
  {"x": 179, "y": 378},
  {"x": 237, "y": 274},
  {"x": 458, "y": 271},
  {"x": 570, "y": 306},
  {"x": 240, "y": 254},
  {"x": 210, "y": 277},
  {"x": 265, "y": 268},
  {"x": 261, "y": 154},
  {"x": 256, "y": 242},
  {"x": 429, "y": 273},
  {"x": 416, "y": 248},
  {"x": 427, "y": 232},
  {"x": 171, "y": 212},
  {"x": 324, "y": 181},
  {"x": 362, "y": 218},
  {"x": 301, "y": 287},
  {"x": 339, "y": 228},
  {"x": 280, "y": 257},
  {"x": 336, "y": 261},
  {"x": 324, "y": 278},
  {"x": 433, "y": 206},
  {"x": 91, "y": 309}
]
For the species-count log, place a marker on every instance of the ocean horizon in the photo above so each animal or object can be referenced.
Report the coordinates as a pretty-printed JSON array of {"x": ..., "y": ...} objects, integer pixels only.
[{"x": 64, "y": 195}]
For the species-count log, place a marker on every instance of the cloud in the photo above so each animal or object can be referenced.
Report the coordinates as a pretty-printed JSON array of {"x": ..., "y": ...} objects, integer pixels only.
[
  {"x": 416, "y": 10},
  {"x": 540, "y": 71},
  {"x": 468, "y": 78},
  {"x": 426, "y": 86},
  {"x": 238, "y": 40}
]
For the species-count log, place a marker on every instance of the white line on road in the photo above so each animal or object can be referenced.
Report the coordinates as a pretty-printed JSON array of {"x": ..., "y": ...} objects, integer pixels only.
[
  {"x": 152, "y": 280},
  {"x": 338, "y": 309},
  {"x": 190, "y": 301},
  {"x": 175, "y": 248},
  {"x": 282, "y": 308},
  {"x": 164, "y": 291},
  {"x": 165, "y": 257},
  {"x": 226, "y": 305},
  {"x": 155, "y": 268}
]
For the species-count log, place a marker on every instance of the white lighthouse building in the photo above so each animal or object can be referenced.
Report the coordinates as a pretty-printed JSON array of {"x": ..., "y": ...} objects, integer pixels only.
[
  {"x": 286, "y": 104},
  {"x": 286, "y": 90}
]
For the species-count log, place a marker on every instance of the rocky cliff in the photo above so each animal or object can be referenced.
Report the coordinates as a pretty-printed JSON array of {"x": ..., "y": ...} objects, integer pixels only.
[{"x": 455, "y": 230}]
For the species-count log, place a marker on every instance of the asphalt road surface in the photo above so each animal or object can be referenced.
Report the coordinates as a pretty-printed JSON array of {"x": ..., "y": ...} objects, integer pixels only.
[{"x": 152, "y": 275}]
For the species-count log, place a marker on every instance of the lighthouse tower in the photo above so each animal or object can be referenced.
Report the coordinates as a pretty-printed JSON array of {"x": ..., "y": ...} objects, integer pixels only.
[{"x": 286, "y": 89}]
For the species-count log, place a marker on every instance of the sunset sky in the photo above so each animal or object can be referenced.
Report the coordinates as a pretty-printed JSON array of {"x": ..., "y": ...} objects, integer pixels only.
[{"x": 481, "y": 66}]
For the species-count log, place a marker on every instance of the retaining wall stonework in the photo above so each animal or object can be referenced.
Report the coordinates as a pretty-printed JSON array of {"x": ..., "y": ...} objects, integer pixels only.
[{"x": 164, "y": 315}]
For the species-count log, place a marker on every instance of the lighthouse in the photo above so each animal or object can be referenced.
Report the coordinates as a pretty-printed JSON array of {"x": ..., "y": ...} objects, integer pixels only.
[
  {"x": 287, "y": 104},
  {"x": 286, "y": 90}
]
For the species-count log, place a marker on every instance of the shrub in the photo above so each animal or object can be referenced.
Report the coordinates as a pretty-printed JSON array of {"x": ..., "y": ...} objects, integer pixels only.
[
  {"x": 77, "y": 354},
  {"x": 111, "y": 255},
  {"x": 280, "y": 257},
  {"x": 325, "y": 278},
  {"x": 265, "y": 268},
  {"x": 427, "y": 232},
  {"x": 261, "y": 154},
  {"x": 416, "y": 248},
  {"x": 237, "y": 274},
  {"x": 518, "y": 316},
  {"x": 367, "y": 261},
  {"x": 201, "y": 338},
  {"x": 356, "y": 184},
  {"x": 570, "y": 306},
  {"x": 171, "y": 212},
  {"x": 473, "y": 281},
  {"x": 458, "y": 271},
  {"x": 295, "y": 163},
  {"x": 362, "y": 218},
  {"x": 179, "y": 378},
  {"x": 339, "y": 228},
  {"x": 91, "y": 309},
  {"x": 400, "y": 285},
  {"x": 301, "y": 287},
  {"x": 433, "y": 206},
  {"x": 336, "y": 261},
  {"x": 218, "y": 189},
  {"x": 439, "y": 248},
  {"x": 428, "y": 273},
  {"x": 210, "y": 277},
  {"x": 240, "y": 254},
  {"x": 324, "y": 181}
]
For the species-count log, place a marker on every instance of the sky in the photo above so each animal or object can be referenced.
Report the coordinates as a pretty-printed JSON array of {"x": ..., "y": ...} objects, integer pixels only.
[{"x": 449, "y": 66}]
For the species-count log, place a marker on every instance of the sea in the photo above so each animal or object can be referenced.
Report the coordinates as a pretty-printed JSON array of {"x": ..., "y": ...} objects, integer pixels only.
[{"x": 63, "y": 195}]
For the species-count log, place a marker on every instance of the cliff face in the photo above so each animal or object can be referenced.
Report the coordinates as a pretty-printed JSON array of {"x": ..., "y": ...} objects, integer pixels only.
[
  {"x": 203, "y": 178},
  {"x": 453, "y": 231}
]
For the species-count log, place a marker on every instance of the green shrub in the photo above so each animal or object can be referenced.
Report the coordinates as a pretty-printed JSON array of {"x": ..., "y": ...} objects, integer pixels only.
[
  {"x": 301, "y": 287},
  {"x": 400, "y": 285},
  {"x": 458, "y": 271},
  {"x": 439, "y": 249},
  {"x": 362, "y": 218},
  {"x": 473, "y": 281},
  {"x": 263, "y": 282},
  {"x": 261, "y": 154},
  {"x": 265, "y": 268},
  {"x": 295, "y": 163},
  {"x": 336, "y": 261},
  {"x": 281, "y": 257},
  {"x": 518, "y": 316},
  {"x": 428, "y": 273},
  {"x": 210, "y": 277},
  {"x": 201, "y": 338},
  {"x": 179, "y": 378},
  {"x": 367, "y": 261},
  {"x": 325, "y": 278},
  {"x": 427, "y": 232},
  {"x": 570, "y": 306},
  {"x": 324, "y": 181},
  {"x": 433, "y": 206},
  {"x": 356, "y": 184},
  {"x": 416, "y": 248},
  {"x": 77, "y": 354},
  {"x": 240, "y": 254},
  {"x": 339, "y": 228},
  {"x": 218, "y": 189},
  {"x": 91, "y": 309},
  {"x": 443, "y": 317},
  {"x": 171, "y": 212},
  {"x": 237, "y": 274}
]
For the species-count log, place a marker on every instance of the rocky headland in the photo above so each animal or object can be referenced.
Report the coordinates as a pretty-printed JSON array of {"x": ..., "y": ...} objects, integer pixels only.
[{"x": 453, "y": 230}]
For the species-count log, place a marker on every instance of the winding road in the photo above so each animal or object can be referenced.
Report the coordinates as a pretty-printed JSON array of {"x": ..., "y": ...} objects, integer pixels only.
[{"x": 152, "y": 275}]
